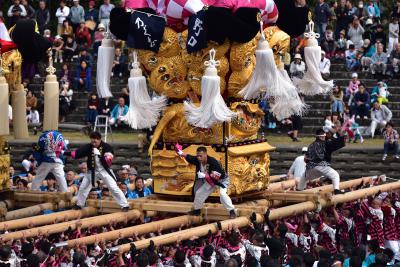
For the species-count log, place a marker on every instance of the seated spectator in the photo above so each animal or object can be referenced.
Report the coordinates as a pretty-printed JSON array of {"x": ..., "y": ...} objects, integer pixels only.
[
  {"x": 352, "y": 88},
  {"x": 98, "y": 37},
  {"x": 140, "y": 189},
  {"x": 379, "y": 61},
  {"x": 380, "y": 116},
  {"x": 33, "y": 116},
  {"x": 328, "y": 43},
  {"x": 355, "y": 33},
  {"x": 297, "y": 67},
  {"x": 22, "y": 184},
  {"x": 31, "y": 100},
  {"x": 125, "y": 189},
  {"x": 337, "y": 104},
  {"x": 324, "y": 66},
  {"x": 368, "y": 51},
  {"x": 351, "y": 58},
  {"x": 65, "y": 74},
  {"x": 93, "y": 194},
  {"x": 391, "y": 137},
  {"x": 118, "y": 111},
  {"x": 72, "y": 182},
  {"x": 394, "y": 61},
  {"x": 83, "y": 78},
  {"x": 82, "y": 35},
  {"x": 51, "y": 185},
  {"x": 58, "y": 45},
  {"x": 379, "y": 36},
  {"x": 69, "y": 49},
  {"x": 84, "y": 55},
  {"x": 120, "y": 66},
  {"x": 105, "y": 107},
  {"x": 360, "y": 104},
  {"x": 375, "y": 93},
  {"x": 82, "y": 170},
  {"x": 123, "y": 174},
  {"x": 65, "y": 99},
  {"x": 92, "y": 109},
  {"x": 66, "y": 30},
  {"x": 341, "y": 45}
]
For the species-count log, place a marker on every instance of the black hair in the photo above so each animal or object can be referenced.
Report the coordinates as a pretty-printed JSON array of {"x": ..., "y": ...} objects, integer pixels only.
[
  {"x": 32, "y": 261},
  {"x": 259, "y": 237},
  {"x": 142, "y": 260},
  {"x": 319, "y": 131},
  {"x": 373, "y": 246},
  {"x": 323, "y": 263},
  {"x": 390, "y": 124},
  {"x": 382, "y": 258},
  {"x": 351, "y": 46},
  {"x": 308, "y": 259},
  {"x": 296, "y": 261},
  {"x": 50, "y": 176},
  {"x": 5, "y": 252},
  {"x": 208, "y": 251},
  {"x": 179, "y": 256},
  {"x": 95, "y": 135},
  {"x": 139, "y": 178},
  {"x": 201, "y": 149},
  {"x": 355, "y": 261},
  {"x": 388, "y": 252},
  {"x": 252, "y": 262}
]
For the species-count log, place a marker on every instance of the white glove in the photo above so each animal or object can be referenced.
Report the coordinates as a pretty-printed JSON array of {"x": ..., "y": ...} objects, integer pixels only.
[
  {"x": 384, "y": 122},
  {"x": 201, "y": 175},
  {"x": 180, "y": 153},
  {"x": 66, "y": 142},
  {"x": 96, "y": 152}
]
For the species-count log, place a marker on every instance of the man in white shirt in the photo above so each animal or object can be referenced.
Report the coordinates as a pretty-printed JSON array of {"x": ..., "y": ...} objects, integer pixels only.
[
  {"x": 324, "y": 66},
  {"x": 380, "y": 116},
  {"x": 61, "y": 14},
  {"x": 298, "y": 167}
]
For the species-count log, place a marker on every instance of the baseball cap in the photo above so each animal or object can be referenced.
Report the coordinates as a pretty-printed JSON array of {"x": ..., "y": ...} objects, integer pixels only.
[
  {"x": 354, "y": 75},
  {"x": 304, "y": 149}
]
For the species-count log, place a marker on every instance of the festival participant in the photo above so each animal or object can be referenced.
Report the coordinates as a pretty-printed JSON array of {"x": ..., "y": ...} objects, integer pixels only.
[
  {"x": 99, "y": 159},
  {"x": 209, "y": 173},
  {"x": 48, "y": 154},
  {"x": 298, "y": 167},
  {"x": 318, "y": 158}
]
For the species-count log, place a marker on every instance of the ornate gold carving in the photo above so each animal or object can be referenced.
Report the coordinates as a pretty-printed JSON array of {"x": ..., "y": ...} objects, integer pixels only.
[
  {"x": 239, "y": 79},
  {"x": 245, "y": 126},
  {"x": 279, "y": 41},
  {"x": 11, "y": 64}
]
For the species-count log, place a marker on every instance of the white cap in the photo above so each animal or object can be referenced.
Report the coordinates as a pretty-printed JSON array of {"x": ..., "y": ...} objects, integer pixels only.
[
  {"x": 369, "y": 22},
  {"x": 354, "y": 75},
  {"x": 323, "y": 52},
  {"x": 297, "y": 56},
  {"x": 304, "y": 149},
  {"x": 101, "y": 25}
]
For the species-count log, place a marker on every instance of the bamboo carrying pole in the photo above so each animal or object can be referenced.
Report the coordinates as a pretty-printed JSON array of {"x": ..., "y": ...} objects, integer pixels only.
[
  {"x": 4, "y": 121},
  {"x": 61, "y": 227},
  {"x": 283, "y": 212},
  {"x": 151, "y": 227},
  {"x": 47, "y": 219},
  {"x": 20, "y": 124}
]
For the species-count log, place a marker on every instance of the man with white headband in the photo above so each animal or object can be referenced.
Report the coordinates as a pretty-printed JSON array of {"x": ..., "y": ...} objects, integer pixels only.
[{"x": 318, "y": 158}]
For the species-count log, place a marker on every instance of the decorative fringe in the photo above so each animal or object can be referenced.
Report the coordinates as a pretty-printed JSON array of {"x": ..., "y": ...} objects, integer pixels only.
[
  {"x": 312, "y": 83},
  {"x": 212, "y": 108},
  {"x": 143, "y": 111},
  {"x": 104, "y": 67},
  {"x": 288, "y": 102},
  {"x": 264, "y": 77}
]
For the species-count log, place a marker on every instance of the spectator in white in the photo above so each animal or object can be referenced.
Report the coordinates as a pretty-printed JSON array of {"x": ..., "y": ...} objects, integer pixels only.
[
  {"x": 118, "y": 111},
  {"x": 393, "y": 34},
  {"x": 391, "y": 137},
  {"x": 298, "y": 167},
  {"x": 33, "y": 116},
  {"x": 42, "y": 16},
  {"x": 355, "y": 33},
  {"x": 380, "y": 115},
  {"x": 104, "y": 13},
  {"x": 10, "y": 114},
  {"x": 30, "y": 11},
  {"x": 322, "y": 14},
  {"x": 297, "y": 67},
  {"x": 394, "y": 60},
  {"x": 368, "y": 51},
  {"x": 379, "y": 61},
  {"x": 77, "y": 14},
  {"x": 62, "y": 13},
  {"x": 15, "y": 12},
  {"x": 325, "y": 66}
]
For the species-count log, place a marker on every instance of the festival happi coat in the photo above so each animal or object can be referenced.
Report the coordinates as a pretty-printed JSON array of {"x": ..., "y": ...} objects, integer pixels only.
[{"x": 209, "y": 63}]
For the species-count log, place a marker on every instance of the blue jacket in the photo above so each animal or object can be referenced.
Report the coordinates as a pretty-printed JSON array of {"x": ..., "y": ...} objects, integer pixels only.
[
  {"x": 114, "y": 112},
  {"x": 50, "y": 148},
  {"x": 134, "y": 194},
  {"x": 322, "y": 13}
]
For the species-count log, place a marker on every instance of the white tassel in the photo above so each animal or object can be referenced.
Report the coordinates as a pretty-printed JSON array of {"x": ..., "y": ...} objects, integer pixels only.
[
  {"x": 312, "y": 83},
  {"x": 288, "y": 102},
  {"x": 264, "y": 76},
  {"x": 104, "y": 67},
  {"x": 212, "y": 108},
  {"x": 143, "y": 112}
]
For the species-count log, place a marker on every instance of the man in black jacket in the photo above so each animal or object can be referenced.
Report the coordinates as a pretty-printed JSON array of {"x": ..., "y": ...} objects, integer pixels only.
[
  {"x": 99, "y": 159},
  {"x": 318, "y": 159},
  {"x": 209, "y": 173}
]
